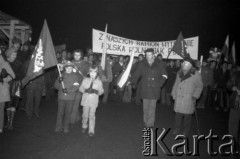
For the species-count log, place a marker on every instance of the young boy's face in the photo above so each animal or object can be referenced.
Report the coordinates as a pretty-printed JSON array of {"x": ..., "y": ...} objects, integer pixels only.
[
  {"x": 68, "y": 69},
  {"x": 93, "y": 74}
]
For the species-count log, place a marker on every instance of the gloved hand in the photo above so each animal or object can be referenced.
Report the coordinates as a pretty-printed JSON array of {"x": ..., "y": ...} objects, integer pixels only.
[
  {"x": 95, "y": 91},
  {"x": 3, "y": 73},
  {"x": 64, "y": 90},
  {"x": 89, "y": 90}
]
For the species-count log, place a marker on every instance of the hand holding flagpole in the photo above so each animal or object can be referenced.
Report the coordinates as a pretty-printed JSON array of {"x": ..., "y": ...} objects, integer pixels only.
[{"x": 60, "y": 75}]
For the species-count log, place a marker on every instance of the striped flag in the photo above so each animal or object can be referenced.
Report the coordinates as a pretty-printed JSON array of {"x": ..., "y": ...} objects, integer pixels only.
[{"x": 126, "y": 73}]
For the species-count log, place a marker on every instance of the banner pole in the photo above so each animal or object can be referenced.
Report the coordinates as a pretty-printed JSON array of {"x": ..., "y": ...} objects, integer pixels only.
[
  {"x": 201, "y": 60},
  {"x": 60, "y": 75}
]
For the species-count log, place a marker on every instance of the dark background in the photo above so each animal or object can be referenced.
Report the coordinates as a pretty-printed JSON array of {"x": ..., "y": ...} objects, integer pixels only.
[{"x": 71, "y": 21}]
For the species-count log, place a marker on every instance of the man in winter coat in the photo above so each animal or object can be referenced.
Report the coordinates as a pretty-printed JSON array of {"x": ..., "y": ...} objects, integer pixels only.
[
  {"x": 153, "y": 75},
  {"x": 186, "y": 90}
]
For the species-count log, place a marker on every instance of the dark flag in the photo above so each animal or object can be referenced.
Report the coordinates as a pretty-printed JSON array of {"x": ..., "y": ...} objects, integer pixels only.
[
  {"x": 44, "y": 54},
  {"x": 180, "y": 46}
]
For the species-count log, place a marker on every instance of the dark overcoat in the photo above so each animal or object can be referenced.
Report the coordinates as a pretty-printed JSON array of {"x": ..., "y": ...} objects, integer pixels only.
[{"x": 152, "y": 78}]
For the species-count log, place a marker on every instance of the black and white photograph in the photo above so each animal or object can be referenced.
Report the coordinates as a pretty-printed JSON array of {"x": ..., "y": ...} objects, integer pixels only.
[{"x": 119, "y": 79}]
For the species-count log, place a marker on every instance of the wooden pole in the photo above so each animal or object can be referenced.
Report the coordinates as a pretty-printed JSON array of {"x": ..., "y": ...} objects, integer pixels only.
[
  {"x": 60, "y": 75},
  {"x": 11, "y": 36}
]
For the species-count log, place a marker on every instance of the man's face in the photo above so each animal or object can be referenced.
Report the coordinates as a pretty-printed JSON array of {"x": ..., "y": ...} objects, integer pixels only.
[
  {"x": 120, "y": 59},
  {"x": 149, "y": 56},
  {"x": 160, "y": 57},
  {"x": 186, "y": 66},
  {"x": 25, "y": 48},
  {"x": 90, "y": 58},
  {"x": 16, "y": 45},
  {"x": 77, "y": 56},
  {"x": 69, "y": 55},
  {"x": 64, "y": 54},
  {"x": 141, "y": 58}
]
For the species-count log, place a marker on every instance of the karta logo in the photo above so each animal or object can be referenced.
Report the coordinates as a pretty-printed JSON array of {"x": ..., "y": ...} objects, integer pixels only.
[{"x": 152, "y": 143}]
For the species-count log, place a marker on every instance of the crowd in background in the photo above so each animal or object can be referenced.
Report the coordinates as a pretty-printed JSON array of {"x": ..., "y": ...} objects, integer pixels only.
[{"x": 218, "y": 79}]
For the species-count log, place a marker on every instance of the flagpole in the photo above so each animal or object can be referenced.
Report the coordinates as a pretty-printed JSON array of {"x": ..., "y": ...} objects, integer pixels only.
[
  {"x": 103, "y": 60},
  {"x": 169, "y": 53},
  {"x": 60, "y": 75},
  {"x": 201, "y": 60}
]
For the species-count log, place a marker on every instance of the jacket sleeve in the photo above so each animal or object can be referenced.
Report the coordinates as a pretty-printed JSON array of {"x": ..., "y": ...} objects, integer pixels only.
[
  {"x": 82, "y": 86},
  {"x": 163, "y": 74},
  {"x": 100, "y": 88},
  {"x": 57, "y": 85},
  {"x": 174, "y": 89},
  {"x": 11, "y": 75},
  {"x": 198, "y": 87},
  {"x": 137, "y": 74}
]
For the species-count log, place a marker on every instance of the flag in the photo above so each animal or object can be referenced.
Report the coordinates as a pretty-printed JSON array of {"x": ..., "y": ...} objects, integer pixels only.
[
  {"x": 233, "y": 53},
  {"x": 44, "y": 54},
  {"x": 225, "y": 49},
  {"x": 123, "y": 79},
  {"x": 180, "y": 46},
  {"x": 103, "y": 60}
]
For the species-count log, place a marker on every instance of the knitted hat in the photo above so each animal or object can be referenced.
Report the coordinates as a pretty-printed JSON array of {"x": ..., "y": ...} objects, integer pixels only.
[{"x": 69, "y": 64}]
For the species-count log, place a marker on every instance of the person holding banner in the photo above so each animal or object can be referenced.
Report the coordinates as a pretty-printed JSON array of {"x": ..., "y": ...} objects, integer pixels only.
[
  {"x": 66, "y": 97},
  {"x": 117, "y": 69},
  {"x": 153, "y": 75}
]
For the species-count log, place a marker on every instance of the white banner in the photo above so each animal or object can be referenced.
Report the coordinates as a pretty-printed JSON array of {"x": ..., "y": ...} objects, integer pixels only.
[{"x": 122, "y": 46}]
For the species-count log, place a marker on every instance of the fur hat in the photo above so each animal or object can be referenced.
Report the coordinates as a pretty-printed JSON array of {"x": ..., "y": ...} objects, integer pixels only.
[{"x": 189, "y": 59}]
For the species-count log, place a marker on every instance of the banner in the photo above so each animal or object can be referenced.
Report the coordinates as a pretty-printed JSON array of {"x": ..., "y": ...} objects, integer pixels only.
[{"x": 122, "y": 46}]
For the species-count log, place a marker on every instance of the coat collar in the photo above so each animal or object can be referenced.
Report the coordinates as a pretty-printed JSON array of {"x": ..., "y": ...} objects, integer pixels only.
[
  {"x": 188, "y": 75},
  {"x": 147, "y": 63}
]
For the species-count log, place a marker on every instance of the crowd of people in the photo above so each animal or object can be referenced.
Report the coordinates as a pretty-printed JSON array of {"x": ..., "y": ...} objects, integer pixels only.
[{"x": 185, "y": 84}]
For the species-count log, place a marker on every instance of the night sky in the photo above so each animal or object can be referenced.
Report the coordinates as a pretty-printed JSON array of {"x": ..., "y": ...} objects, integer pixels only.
[{"x": 71, "y": 21}]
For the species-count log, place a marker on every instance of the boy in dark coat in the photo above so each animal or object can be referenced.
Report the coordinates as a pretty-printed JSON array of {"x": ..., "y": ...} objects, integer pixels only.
[{"x": 66, "y": 97}]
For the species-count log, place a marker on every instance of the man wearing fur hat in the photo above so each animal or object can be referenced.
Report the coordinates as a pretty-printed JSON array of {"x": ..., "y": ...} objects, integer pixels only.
[{"x": 186, "y": 90}]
